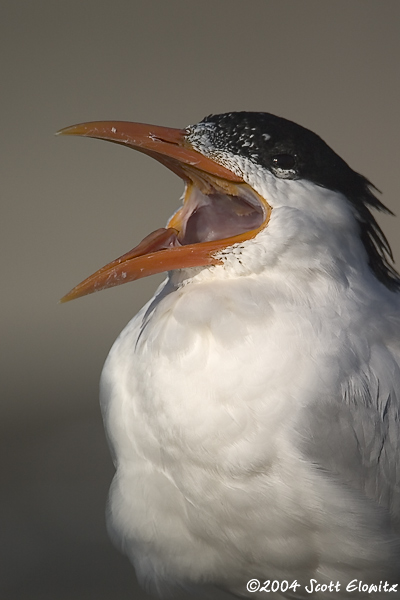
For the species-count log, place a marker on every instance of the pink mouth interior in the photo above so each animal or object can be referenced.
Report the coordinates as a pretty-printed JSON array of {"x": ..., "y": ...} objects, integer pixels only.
[{"x": 217, "y": 216}]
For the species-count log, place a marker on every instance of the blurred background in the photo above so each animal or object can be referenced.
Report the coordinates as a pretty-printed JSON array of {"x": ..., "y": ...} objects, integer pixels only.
[{"x": 70, "y": 205}]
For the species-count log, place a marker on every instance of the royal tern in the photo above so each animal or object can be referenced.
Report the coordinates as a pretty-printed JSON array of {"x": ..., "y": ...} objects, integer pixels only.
[{"x": 252, "y": 405}]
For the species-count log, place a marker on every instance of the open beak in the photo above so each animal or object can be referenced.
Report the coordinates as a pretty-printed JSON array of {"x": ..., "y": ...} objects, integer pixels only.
[{"x": 219, "y": 208}]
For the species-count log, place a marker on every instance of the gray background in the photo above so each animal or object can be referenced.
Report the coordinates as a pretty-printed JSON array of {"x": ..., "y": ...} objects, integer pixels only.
[{"x": 70, "y": 205}]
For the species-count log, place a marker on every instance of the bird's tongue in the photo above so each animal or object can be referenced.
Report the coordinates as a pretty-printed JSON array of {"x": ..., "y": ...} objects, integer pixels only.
[{"x": 160, "y": 239}]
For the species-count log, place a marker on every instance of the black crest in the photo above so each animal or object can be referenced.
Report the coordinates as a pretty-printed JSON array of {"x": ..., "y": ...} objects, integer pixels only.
[{"x": 269, "y": 140}]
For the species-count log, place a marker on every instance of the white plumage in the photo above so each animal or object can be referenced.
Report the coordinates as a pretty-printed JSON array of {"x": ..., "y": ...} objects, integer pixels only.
[{"x": 253, "y": 407}]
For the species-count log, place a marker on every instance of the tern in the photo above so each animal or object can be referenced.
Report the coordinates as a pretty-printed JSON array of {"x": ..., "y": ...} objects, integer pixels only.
[{"x": 252, "y": 405}]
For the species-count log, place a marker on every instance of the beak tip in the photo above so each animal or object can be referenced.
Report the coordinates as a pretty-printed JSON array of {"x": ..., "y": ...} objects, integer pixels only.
[
  {"x": 66, "y": 130},
  {"x": 71, "y": 295},
  {"x": 81, "y": 129}
]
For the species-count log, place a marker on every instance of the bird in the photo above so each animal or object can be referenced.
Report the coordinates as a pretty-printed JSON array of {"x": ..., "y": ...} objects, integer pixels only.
[{"x": 252, "y": 405}]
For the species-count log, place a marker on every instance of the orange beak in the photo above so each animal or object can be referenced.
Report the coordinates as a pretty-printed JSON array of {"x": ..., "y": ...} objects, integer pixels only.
[{"x": 166, "y": 249}]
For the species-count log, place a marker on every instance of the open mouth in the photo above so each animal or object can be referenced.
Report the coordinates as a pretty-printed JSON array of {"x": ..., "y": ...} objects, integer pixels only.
[
  {"x": 219, "y": 209},
  {"x": 215, "y": 215}
]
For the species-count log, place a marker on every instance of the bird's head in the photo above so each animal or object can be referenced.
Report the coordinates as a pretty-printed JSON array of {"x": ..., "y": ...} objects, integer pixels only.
[{"x": 252, "y": 180}]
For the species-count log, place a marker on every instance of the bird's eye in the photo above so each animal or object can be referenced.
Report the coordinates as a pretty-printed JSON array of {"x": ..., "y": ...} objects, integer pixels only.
[
  {"x": 284, "y": 166},
  {"x": 287, "y": 162}
]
